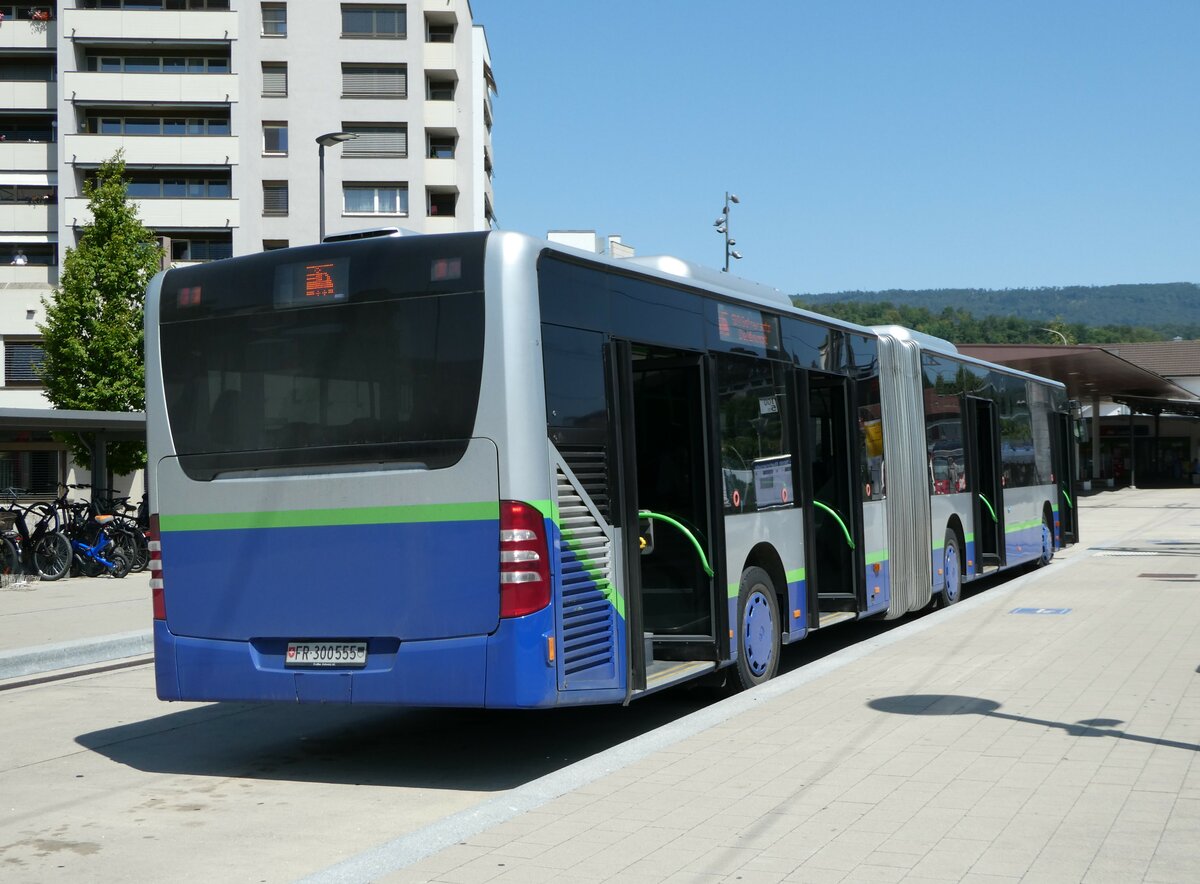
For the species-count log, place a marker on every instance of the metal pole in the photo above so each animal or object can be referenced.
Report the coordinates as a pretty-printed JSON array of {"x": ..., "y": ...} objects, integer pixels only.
[
  {"x": 1132, "y": 453},
  {"x": 321, "y": 190},
  {"x": 1096, "y": 439}
]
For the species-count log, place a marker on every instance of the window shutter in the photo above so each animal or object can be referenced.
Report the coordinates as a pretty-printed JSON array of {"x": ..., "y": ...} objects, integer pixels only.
[
  {"x": 377, "y": 141},
  {"x": 21, "y": 361},
  {"x": 275, "y": 199},
  {"x": 389, "y": 80},
  {"x": 275, "y": 80}
]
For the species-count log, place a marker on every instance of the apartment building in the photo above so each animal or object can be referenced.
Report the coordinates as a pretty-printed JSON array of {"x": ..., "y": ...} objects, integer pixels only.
[{"x": 218, "y": 106}]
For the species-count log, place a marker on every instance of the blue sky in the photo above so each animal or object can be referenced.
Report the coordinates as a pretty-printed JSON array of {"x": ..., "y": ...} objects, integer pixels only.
[{"x": 874, "y": 145}]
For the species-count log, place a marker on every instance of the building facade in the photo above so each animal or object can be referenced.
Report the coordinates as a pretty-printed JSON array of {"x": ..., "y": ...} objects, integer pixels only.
[{"x": 217, "y": 106}]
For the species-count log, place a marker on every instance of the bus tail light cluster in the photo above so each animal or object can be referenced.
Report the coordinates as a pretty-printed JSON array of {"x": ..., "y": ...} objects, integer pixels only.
[
  {"x": 524, "y": 560},
  {"x": 156, "y": 578}
]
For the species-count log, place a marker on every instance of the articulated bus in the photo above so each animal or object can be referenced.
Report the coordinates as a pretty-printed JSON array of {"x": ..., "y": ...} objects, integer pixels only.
[{"x": 484, "y": 470}]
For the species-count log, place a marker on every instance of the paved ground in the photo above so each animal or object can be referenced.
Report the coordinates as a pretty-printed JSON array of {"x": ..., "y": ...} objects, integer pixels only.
[{"x": 1046, "y": 729}]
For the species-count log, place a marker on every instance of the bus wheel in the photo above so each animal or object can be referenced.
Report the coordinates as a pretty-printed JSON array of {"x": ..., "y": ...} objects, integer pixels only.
[
  {"x": 758, "y": 629},
  {"x": 1047, "y": 542},
  {"x": 951, "y": 570}
]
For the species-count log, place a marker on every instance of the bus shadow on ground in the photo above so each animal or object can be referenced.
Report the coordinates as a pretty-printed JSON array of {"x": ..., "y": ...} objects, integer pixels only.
[
  {"x": 472, "y": 749},
  {"x": 950, "y": 704}
]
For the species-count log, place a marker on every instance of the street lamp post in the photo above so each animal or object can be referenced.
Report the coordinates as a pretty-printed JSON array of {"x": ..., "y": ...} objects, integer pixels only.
[
  {"x": 722, "y": 225},
  {"x": 323, "y": 141}
]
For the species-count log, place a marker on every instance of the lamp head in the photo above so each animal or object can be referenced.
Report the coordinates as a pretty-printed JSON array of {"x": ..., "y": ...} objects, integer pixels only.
[
  {"x": 733, "y": 198},
  {"x": 329, "y": 139}
]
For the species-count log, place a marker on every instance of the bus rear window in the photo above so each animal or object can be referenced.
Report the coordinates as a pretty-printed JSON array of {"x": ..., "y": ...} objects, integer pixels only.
[{"x": 389, "y": 381}]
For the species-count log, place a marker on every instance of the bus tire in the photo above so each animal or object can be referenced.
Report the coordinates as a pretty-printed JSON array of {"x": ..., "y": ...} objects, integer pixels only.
[
  {"x": 952, "y": 582},
  {"x": 759, "y": 640},
  {"x": 1047, "y": 543}
]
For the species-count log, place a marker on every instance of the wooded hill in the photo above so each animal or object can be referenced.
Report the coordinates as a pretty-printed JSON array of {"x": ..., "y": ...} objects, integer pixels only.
[{"x": 1086, "y": 314}]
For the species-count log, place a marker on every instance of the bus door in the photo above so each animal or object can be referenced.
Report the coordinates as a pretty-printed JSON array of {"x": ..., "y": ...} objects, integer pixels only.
[
  {"x": 670, "y": 510},
  {"x": 1065, "y": 470},
  {"x": 987, "y": 492},
  {"x": 834, "y": 564}
]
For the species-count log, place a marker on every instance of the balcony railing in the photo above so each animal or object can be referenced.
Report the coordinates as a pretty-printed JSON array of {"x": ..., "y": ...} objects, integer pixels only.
[
  {"x": 156, "y": 88},
  {"x": 28, "y": 34},
  {"x": 28, "y": 94},
  {"x": 37, "y": 217},
  {"x": 176, "y": 150},
  {"x": 98, "y": 25},
  {"x": 194, "y": 214}
]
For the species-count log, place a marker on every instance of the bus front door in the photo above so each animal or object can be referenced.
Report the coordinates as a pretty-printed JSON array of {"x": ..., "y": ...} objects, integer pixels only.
[
  {"x": 670, "y": 512},
  {"x": 833, "y": 564},
  {"x": 1065, "y": 470},
  {"x": 987, "y": 491}
]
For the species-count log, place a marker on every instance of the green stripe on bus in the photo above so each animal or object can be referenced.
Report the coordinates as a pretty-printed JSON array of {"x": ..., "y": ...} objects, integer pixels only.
[
  {"x": 795, "y": 576},
  {"x": 880, "y": 555},
  {"x": 1022, "y": 526},
  {"x": 368, "y": 515}
]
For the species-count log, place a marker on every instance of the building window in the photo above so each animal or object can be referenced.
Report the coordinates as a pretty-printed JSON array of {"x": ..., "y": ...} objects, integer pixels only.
[
  {"x": 442, "y": 203},
  {"x": 270, "y": 245},
  {"x": 275, "y": 138},
  {"x": 376, "y": 141},
  {"x": 22, "y": 361},
  {"x": 158, "y": 64},
  {"x": 438, "y": 31},
  {"x": 274, "y": 79},
  {"x": 137, "y": 125},
  {"x": 375, "y": 81},
  {"x": 441, "y": 147},
  {"x": 274, "y": 19},
  {"x": 375, "y": 199},
  {"x": 143, "y": 186},
  {"x": 195, "y": 250},
  {"x": 440, "y": 89},
  {"x": 36, "y": 471},
  {"x": 379, "y": 22},
  {"x": 275, "y": 198}
]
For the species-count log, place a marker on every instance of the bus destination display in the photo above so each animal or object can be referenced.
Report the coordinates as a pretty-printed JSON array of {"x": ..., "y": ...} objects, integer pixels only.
[
  {"x": 312, "y": 283},
  {"x": 745, "y": 327}
]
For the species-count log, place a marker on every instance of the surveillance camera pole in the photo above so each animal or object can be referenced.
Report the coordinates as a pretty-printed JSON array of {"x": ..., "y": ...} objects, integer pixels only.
[{"x": 722, "y": 225}]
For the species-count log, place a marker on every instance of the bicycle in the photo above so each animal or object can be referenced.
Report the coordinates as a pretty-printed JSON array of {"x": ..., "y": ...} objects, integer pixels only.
[
  {"x": 32, "y": 542},
  {"x": 127, "y": 527},
  {"x": 95, "y": 549}
]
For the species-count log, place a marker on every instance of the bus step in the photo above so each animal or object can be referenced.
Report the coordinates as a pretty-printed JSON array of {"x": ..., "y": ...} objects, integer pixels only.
[
  {"x": 661, "y": 674},
  {"x": 832, "y": 617},
  {"x": 836, "y": 596}
]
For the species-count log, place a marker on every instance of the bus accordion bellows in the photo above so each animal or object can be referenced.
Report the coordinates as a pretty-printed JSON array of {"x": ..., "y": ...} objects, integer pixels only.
[{"x": 484, "y": 470}]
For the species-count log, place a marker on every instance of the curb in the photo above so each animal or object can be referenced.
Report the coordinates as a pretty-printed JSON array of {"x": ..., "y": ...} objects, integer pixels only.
[{"x": 64, "y": 655}]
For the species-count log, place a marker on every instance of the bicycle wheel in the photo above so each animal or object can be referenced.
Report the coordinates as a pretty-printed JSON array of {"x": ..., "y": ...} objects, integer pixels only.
[
  {"x": 52, "y": 556},
  {"x": 141, "y": 551},
  {"x": 10, "y": 559},
  {"x": 120, "y": 564},
  {"x": 42, "y": 518}
]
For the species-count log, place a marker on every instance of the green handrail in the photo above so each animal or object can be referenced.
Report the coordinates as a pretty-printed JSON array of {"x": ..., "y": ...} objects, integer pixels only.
[
  {"x": 989, "y": 508},
  {"x": 647, "y": 514},
  {"x": 1070, "y": 503},
  {"x": 833, "y": 512}
]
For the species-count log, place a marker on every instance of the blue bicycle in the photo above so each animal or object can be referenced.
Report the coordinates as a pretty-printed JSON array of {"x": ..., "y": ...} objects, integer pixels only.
[{"x": 94, "y": 544}]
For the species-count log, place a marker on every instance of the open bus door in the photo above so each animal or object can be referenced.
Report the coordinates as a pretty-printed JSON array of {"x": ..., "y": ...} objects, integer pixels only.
[
  {"x": 672, "y": 540},
  {"x": 834, "y": 565},
  {"x": 987, "y": 492},
  {"x": 1065, "y": 470}
]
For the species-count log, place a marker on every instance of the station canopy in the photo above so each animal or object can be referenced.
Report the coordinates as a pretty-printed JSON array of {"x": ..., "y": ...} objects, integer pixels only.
[{"x": 1090, "y": 371}]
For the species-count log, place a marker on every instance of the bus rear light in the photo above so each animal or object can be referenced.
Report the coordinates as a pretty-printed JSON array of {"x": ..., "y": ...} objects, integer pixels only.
[
  {"x": 156, "y": 579},
  {"x": 524, "y": 560}
]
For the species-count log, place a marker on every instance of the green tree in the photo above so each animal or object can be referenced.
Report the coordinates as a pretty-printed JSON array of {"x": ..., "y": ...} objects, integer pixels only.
[{"x": 92, "y": 336}]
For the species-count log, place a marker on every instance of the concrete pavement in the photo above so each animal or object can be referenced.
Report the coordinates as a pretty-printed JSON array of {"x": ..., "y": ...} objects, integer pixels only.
[{"x": 1045, "y": 729}]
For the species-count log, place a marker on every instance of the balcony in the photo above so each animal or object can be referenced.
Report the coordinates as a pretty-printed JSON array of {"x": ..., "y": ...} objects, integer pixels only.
[
  {"x": 29, "y": 276},
  {"x": 195, "y": 214},
  {"x": 29, "y": 218},
  {"x": 436, "y": 224},
  {"x": 441, "y": 173},
  {"x": 96, "y": 88},
  {"x": 103, "y": 25},
  {"x": 441, "y": 115},
  {"x": 28, "y": 35},
  {"x": 28, "y": 156},
  {"x": 28, "y": 94},
  {"x": 149, "y": 150},
  {"x": 439, "y": 56}
]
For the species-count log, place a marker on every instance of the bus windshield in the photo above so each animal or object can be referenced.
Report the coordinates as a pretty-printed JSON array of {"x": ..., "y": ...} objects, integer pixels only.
[{"x": 260, "y": 380}]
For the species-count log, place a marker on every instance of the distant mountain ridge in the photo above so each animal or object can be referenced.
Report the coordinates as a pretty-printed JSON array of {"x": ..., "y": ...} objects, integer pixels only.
[{"x": 1171, "y": 308}]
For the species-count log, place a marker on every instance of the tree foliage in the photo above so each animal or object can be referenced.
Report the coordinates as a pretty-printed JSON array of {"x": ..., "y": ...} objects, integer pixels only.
[
  {"x": 1162, "y": 309},
  {"x": 959, "y": 326},
  {"x": 92, "y": 336}
]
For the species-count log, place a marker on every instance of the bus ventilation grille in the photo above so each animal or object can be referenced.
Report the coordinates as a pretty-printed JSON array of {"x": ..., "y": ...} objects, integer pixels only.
[
  {"x": 588, "y": 619},
  {"x": 590, "y": 466}
]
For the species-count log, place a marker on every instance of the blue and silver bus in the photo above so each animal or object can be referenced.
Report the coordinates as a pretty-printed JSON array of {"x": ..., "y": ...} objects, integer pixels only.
[{"x": 484, "y": 470}]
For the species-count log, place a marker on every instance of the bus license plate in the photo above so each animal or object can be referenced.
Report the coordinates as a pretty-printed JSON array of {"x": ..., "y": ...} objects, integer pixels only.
[{"x": 326, "y": 654}]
